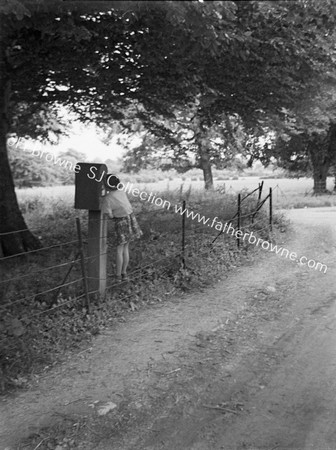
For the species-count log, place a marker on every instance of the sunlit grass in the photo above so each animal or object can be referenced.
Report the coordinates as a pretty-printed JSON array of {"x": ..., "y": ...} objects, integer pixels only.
[{"x": 287, "y": 193}]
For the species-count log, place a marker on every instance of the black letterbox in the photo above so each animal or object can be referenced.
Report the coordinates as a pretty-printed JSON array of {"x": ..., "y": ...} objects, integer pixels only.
[{"x": 89, "y": 185}]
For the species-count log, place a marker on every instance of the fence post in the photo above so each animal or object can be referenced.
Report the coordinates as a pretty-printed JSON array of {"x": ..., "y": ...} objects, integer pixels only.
[
  {"x": 89, "y": 183},
  {"x": 81, "y": 252},
  {"x": 239, "y": 218},
  {"x": 261, "y": 185},
  {"x": 97, "y": 251},
  {"x": 183, "y": 235},
  {"x": 270, "y": 210}
]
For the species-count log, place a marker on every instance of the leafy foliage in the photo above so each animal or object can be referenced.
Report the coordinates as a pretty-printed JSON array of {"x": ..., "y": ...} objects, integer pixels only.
[
  {"x": 178, "y": 143},
  {"x": 268, "y": 59},
  {"x": 305, "y": 139},
  {"x": 246, "y": 58},
  {"x": 29, "y": 170}
]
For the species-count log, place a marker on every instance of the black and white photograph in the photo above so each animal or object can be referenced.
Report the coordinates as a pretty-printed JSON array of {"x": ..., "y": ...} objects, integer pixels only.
[{"x": 167, "y": 225}]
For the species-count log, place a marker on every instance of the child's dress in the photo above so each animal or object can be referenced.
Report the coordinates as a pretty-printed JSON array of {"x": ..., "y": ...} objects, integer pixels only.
[{"x": 117, "y": 206}]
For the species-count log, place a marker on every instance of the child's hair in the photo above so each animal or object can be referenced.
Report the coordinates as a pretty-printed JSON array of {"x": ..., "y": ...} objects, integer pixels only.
[{"x": 111, "y": 181}]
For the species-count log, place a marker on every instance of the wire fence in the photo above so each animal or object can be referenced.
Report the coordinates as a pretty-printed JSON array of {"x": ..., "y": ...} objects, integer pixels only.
[
  {"x": 57, "y": 277},
  {"x": 279, "y": 196}
]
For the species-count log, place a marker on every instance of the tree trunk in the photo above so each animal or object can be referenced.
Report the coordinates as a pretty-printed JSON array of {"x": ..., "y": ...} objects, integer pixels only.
[
  {"x": 320, "y": 179},
  {"x": 11, "y": 218},
  {"x": 322, "y": 154},
  {"x": 205, "y": 165}
]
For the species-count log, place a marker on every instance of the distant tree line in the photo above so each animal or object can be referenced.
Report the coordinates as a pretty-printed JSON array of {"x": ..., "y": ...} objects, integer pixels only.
[{"x": 31, "y": 171}]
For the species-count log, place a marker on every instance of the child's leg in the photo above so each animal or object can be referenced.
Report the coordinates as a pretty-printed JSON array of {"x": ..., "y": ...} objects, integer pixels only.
[
  {"x": 120, "y": 259},
  {"x": 125, "y": 258}
]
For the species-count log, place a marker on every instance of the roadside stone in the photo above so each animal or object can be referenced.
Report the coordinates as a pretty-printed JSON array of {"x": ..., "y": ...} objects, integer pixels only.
[{"x": 270, "y": 289}]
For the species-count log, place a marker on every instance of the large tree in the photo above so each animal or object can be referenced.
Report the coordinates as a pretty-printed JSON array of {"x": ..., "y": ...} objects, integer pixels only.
[
  {"x": 310, "y": 150},
  {"x": 305, "y": 138},
  {"x": 187, "y": 142}
]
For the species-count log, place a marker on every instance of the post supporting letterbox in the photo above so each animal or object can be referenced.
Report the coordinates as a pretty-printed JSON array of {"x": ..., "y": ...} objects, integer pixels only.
[
  {"x": 97, "y": 252},
  {"x": 89, "y": 185}
]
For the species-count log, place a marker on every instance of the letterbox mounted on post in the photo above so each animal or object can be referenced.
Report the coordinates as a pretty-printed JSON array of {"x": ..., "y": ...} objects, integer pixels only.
[{"x": 89, "y": 185}]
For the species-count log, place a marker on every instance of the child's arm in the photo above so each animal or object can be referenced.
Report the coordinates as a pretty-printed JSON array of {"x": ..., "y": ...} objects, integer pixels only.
[{"x": 106, "y": 208}]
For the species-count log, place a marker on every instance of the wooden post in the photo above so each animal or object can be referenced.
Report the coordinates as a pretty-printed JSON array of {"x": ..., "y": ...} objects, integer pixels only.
[
  {"x": 81, "y": 253},
  {"x": 183, "y": 235},
  {"x": 261, "y": 185},
  {"x": 270, "y": 210},
  {"x": 97, "y": 252},
  {"x": 239, "y": 218}
]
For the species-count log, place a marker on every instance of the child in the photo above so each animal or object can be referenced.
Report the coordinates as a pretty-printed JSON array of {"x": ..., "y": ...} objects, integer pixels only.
[{"x": 117, "y": 206}]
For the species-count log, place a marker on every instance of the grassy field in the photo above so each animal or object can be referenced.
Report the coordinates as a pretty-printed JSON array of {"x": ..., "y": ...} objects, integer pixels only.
[{"x": 287, "y": 192}]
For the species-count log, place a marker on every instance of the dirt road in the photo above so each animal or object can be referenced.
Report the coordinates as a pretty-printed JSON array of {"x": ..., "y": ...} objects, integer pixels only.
[{"x": 248, "y": 364}]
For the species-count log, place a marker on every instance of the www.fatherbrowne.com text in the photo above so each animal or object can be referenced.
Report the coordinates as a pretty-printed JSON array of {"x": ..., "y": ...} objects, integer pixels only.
[
  {"x": 157, "y": 201},
  {"x": 224, "y": 227}
]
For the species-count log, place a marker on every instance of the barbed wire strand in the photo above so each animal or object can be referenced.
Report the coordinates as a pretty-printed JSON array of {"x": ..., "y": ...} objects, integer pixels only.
[
  {"x": 87, "y": 258},
  {"x": 31, "y": 230},
  {"x": 132, "y": 278},
  {"x": 136, "y": 213},
  {"x": 75, "y": 299},
  {"x": 262, "y": 203},
  {"x": 248, "y": 215},
  {"x": 5, "y": 305},
  {"x": 250, "y": 193},
  {"x": 38, "y": 250},
  {"x": 153, "y": 262},
  {"x": 40, "y": 271},
  {"x": 9, "y": 304}
]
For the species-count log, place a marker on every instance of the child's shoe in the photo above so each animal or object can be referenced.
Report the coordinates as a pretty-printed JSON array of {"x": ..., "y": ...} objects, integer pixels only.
[{"x": 118, "y": 278}]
